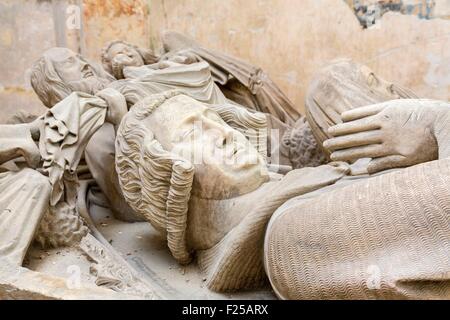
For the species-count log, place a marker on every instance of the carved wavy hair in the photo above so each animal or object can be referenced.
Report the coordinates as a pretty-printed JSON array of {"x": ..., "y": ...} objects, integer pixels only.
[
  {"x": 146, "y": 55},
  {"x": 46, "y": 82},
  {"x": 157, "y": 183}
]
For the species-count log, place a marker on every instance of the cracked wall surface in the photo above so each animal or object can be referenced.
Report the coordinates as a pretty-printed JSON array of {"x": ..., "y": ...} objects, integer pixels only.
[{"x": 369, "y": 12}]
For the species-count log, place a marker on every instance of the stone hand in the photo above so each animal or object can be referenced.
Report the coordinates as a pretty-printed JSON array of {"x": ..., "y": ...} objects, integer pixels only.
[
  {"x": 180, "y": 57},
  {"x": 117, "y": 105},
  {"x": 398, "y": 133},
  {"x": 35, "y": 128},
  {"x": 166, "y": 64},
  {"x": 184, "y": 57},
  {"x": 16, "y": 140},
  {"x": 119, "y": 62}
]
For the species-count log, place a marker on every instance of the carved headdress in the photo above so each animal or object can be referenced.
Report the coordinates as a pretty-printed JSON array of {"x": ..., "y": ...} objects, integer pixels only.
[{"x": 157, "y": 183}]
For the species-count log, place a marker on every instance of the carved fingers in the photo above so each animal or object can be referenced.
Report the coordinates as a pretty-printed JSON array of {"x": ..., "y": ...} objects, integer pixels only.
[
  {"x": 117, "y": 105},
  {"x": 361, "y": 135},
  {"x": 355, "y": 153},
  {"x": 394, "y": 134},
  {"x": 354, "y": 140},
  {"x": 359, "y": 125},
  {"x": 387, "y": 162},
  {"x": 359, "y": 138},
  {"x": 362, "y": 112}
]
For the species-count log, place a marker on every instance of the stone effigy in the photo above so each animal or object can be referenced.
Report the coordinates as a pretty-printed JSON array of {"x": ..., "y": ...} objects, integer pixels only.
[
  {"x": 229, "y": 248},
  {"x": 194, "y": 164},
  {"x": 378, "y": 236},
  {"x": 290, "y": 138},
  {"x": 200, "y": 191},
  {"x": 39, "y": 195},
  {"x": 379, "y": 257}
]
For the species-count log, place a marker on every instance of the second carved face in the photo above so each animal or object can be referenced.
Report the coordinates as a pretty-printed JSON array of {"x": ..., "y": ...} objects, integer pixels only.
[{"x": 76, "y": 72}]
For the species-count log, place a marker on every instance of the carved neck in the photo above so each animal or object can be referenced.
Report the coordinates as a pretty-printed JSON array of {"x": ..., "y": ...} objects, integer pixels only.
[{"x": 210, "y": 220}]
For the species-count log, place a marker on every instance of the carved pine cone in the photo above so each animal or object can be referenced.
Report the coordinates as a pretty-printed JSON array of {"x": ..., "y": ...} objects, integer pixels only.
[{"x": 61, "y": 226}]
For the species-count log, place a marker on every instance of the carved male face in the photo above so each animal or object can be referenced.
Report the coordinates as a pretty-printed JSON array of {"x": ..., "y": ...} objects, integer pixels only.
[
  {"x": 76, "y": 72},
  {"x": 226, "y": 164},
  {"x": 123, "y": 55},
  {"x": 344, "y": 85}
]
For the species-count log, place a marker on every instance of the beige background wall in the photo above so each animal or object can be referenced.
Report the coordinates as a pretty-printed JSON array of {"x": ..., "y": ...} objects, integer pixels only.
[
  {"x": 290, "y": 39},
  {"x": 29, "y": 27}
]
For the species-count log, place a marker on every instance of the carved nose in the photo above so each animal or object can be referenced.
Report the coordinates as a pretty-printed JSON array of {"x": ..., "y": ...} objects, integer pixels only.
[
  {"x": 224, "y": 140},
  {"x": 228, "y": 136}
]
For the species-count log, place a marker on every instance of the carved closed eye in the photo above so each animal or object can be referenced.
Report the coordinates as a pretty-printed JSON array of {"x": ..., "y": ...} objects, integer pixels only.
[
  {"x": 69, "y": 61},
  {"x": 393, "y": 91}
]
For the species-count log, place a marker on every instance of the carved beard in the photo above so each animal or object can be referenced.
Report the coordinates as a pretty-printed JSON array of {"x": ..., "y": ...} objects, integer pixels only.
[{"x": 90, "y": 85}]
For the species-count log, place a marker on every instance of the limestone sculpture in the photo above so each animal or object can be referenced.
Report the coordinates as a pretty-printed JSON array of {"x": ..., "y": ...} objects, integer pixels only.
[
  {"x": 166, "y": 146},
  {"x": 343, "y": 85},
  {"x": 290, "y": 138},
  {"x": 383, "y": 236},
  {"x": 39, "y": 195},
  {"x": 196, "y": 179},
  {"x": 198, "y": 216},
  {"x": 376, "y": 236}
]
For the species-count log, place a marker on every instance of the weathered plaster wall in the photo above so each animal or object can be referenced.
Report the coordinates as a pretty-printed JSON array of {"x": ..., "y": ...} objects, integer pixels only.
[
  {"x": 369, "y": 12},
  {"x": 104, "y": 21},
  {"x": 29, "y": 27},
  {"x": 291, "y": 39},
  {"x": 26, "y": 28}
]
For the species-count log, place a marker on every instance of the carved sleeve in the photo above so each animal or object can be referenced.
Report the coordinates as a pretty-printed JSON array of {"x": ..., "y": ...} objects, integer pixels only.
[{"x": 67, "y": 129}]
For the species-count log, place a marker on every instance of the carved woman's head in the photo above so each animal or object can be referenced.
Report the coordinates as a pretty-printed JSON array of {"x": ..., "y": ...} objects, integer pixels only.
[
  {"x": 171, "y": 146},
  {"x": 60, "y": 71},
  {"x": 119, "y": 54}
]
